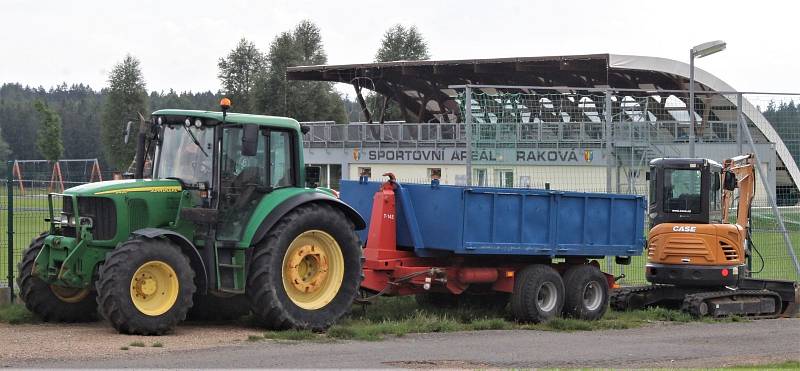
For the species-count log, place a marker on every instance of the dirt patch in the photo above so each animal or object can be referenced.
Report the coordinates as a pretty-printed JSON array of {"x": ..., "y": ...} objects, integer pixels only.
[{"x": 99, "y": 340}]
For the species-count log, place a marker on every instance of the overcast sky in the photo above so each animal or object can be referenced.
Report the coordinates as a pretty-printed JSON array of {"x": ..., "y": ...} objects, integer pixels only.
[{"x": 49, "y": 42}]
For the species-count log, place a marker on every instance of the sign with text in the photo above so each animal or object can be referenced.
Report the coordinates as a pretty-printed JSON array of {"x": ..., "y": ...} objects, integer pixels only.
[{"x": 518, "y": 156}]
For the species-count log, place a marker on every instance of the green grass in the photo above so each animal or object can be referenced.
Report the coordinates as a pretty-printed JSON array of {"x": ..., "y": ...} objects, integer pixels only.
[
  {"x": 16, "y": 314},
  {"x": 398, "y": 316},
  {"x": 157, "y": 345},
  {"x": 123, "y": 348},
  {"x": 792, "y": 365},
  {"x": 137, "y": 344}
]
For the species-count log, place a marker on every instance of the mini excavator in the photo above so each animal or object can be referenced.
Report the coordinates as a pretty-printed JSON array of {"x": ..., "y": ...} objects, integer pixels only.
[{"x": 697, "y": 260}]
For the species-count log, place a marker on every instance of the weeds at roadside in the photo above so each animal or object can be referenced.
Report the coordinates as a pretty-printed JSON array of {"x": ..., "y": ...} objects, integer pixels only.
[
  {"x": 157, "y": 345},
  {"x": 137, "y": 344},
  {"x": 16, "y": 314},
  {"x": 254, "y": 338},
  {"x": 123, "y": 348}
]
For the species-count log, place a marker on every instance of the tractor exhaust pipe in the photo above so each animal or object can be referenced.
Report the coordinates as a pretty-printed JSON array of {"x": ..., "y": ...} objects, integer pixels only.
[{"x": 138, "y": 172}]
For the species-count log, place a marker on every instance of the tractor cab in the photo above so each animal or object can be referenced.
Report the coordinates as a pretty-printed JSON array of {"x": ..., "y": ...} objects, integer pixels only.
[
  {"x": 684, "y": 190},
  {"x": 227, "y": 166}
]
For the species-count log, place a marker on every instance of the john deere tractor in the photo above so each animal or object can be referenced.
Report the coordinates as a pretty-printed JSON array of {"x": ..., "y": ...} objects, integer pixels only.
[{"x": 224, "y": 224}]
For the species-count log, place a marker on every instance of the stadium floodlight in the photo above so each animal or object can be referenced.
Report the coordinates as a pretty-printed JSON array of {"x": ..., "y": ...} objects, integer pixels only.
[{"x": 699, "y": 51}]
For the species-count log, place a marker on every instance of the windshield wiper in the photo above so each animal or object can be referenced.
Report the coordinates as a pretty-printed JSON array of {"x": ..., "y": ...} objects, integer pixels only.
[{"x": 196, "y": 142}]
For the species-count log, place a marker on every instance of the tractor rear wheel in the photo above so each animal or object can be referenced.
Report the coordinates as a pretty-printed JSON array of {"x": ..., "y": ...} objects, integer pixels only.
[
  {"x": 586, "y": 293},
  {"x": 52, "y": 303},
  {"x": 145, "y": 286},
  {"x": 213, "y": 307},
  {"x": 538, "y": 294},
  {"x": 306, "y": 273}
]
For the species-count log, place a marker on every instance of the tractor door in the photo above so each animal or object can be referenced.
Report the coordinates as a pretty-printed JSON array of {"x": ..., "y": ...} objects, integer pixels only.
[{"x": 243, "y": 180}]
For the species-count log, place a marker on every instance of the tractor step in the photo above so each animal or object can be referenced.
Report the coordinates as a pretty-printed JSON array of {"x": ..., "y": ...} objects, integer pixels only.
[{"x": 230, "y": 267}]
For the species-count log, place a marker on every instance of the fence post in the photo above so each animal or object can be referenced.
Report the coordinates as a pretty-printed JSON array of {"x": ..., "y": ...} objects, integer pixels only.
[
  {"x": 468, "y": 122},
  {"x": 608, "y": 131},
  {"x": 10, "y": 213},
  {"x": 771, "y": 199}
]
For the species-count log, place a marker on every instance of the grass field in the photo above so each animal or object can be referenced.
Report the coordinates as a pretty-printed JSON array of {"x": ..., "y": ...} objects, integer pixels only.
[
  {"x": 398, "y": 316},
  {"x": 30, "y": 211}
]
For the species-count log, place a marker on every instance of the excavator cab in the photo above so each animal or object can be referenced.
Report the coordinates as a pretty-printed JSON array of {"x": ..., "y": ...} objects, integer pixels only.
[
  {"x": 689, "y": 244},
  {"x": 684, "y": 190}
]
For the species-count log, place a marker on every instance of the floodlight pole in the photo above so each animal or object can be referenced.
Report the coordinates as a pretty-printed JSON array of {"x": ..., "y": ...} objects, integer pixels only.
[
  {"x": 700, "y": 51},
  {"x": 468, "y": 122},
  {"x": 691, "y": 103}
]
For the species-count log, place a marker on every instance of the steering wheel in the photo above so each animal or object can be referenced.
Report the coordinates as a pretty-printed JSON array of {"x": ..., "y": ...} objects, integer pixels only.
[{"x": 248, "y": 180}]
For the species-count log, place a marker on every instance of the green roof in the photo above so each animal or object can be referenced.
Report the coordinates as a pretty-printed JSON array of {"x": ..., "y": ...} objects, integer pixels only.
[{"x": 234, "y": 118}]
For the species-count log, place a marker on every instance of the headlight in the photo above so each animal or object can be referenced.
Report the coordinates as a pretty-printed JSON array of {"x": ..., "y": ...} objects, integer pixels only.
[{"x": 68, "y": 220}]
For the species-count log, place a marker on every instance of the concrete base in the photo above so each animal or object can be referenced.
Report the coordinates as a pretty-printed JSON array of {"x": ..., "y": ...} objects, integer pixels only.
[{"x": 4, "y": 295}]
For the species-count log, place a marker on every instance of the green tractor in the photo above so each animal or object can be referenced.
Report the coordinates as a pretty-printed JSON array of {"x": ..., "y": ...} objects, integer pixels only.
[{"x": 225, "y": 225}]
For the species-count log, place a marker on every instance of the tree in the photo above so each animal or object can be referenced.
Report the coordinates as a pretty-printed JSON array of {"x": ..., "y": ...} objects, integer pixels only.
[
  {"x": 5, "y": 152},
  {"x": 48, "y": 137},
  {"x": 398, "y": 44},
  {"x": 402, "y": 44},
  {"x": 126, "y": 98},
  {"x": 238, "y": 72},
  {"x": 302, "y": 100}
]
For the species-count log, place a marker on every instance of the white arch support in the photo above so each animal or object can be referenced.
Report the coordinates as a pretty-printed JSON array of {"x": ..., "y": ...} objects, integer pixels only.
[{"x": 633, "y": 62}]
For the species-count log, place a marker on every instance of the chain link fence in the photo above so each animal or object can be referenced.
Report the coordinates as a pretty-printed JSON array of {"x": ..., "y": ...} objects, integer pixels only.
[{"x": 24, "y": 204}]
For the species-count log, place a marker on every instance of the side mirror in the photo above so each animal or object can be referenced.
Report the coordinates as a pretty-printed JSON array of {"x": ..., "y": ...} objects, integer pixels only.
[
  {"x": 729, "y": 183},
  {"x": 126, "y": 134},
  {"x": 250, "y": 140}
]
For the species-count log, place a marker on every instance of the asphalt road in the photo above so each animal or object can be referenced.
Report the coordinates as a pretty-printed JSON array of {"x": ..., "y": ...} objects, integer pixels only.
[{"x": 659, "y": 345}]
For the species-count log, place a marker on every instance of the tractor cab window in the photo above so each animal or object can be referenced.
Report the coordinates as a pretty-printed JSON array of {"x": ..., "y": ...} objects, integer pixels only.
[
  {"x": 243, "y": 181},
  {"x": 180, "y": 157},
  {"x": 280, "y": 156},
  {"x": 682, "y": 191},
  {"x": 715, "y": 207}
]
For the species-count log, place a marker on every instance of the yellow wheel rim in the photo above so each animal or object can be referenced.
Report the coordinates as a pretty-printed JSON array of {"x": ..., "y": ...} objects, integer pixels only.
[
  {"x": 313, "y": 269},
  {"x": 154, "y": 288},
  {"x": 69, "y": 294}
]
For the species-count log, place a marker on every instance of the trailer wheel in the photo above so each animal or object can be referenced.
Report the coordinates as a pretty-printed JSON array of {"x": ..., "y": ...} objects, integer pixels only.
[
  {"x": 586, "y": 293},
  {"x": 307, "y": 272},
  {"x": 538, "y": 294},
  {"x": 52, "y": 303},
  {"x": 213, "y": 307},
  {"x": 145, "y": 286}
]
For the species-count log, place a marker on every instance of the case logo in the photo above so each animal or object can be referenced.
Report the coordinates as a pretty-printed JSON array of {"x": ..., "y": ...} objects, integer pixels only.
[{"x": 684, "y": 228}]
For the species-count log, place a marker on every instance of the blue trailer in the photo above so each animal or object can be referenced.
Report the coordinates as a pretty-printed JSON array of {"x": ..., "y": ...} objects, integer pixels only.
[{"x": 533, "y": 247}]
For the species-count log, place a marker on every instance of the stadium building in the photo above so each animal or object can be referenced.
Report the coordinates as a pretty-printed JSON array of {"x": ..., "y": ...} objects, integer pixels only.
[{"x": 537, "y": 122}]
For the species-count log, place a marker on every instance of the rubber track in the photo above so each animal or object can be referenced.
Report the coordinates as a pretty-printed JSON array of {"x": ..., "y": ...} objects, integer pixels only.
[
  {"x": 619, "y": 298},
  {"x": 691, "y": 304}
]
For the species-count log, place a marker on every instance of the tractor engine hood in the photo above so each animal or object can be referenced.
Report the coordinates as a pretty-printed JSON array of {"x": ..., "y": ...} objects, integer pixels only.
[{"x": 116, "y": 187}]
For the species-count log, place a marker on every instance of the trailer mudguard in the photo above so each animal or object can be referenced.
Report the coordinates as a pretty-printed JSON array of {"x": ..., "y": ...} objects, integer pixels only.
[
  {"x": 187, "y": 248},
  {"x": 298, "y": 200}
]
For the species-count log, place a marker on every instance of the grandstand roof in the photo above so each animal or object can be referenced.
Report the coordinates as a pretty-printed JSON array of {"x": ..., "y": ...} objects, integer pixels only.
[{"x": 414, "y": 84}]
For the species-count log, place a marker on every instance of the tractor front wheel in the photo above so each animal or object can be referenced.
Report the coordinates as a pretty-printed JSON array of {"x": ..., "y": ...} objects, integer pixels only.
[
  {"x": 145, "y": 286},
  {"x": 307, "y": 272},
  {"x": 52, "y": 303}
]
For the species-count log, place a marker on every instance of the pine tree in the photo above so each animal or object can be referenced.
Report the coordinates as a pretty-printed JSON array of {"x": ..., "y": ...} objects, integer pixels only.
[
  {"x": 126, "y": 98},
  {"x": 48, "y": 136},
  {"x": 302, "y": 100},
  {"x": 399, "y": 43},
  {"x": 238, "y": 72}
]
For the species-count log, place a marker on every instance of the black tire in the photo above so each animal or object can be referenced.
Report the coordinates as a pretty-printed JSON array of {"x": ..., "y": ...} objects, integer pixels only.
[
  {"x": 268, "y": 296},
  {"x": 538, "y": 294},
  {"x": 115, "y": 300},
  {"x": 586, "y": 293},
  {"x": 40, "y": 299},
  {"x": 210, "y": 307}
]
